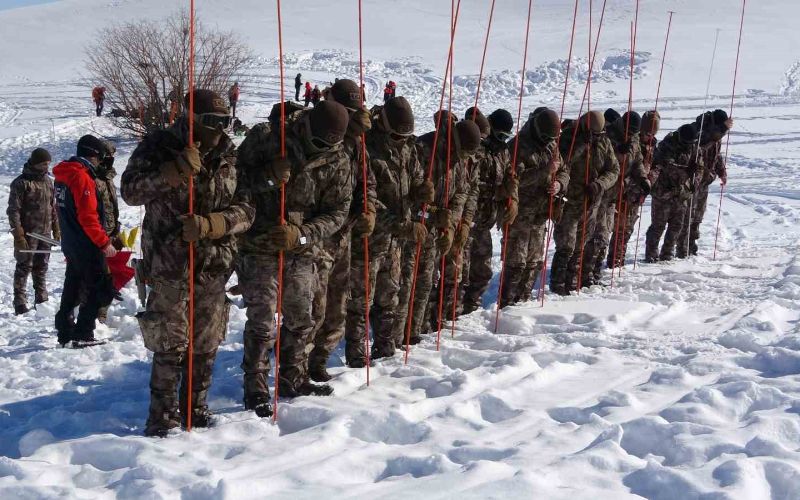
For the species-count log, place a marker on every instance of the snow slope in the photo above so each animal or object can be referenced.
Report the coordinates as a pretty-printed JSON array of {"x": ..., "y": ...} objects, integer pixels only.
[{"x": 682, "y": 382}]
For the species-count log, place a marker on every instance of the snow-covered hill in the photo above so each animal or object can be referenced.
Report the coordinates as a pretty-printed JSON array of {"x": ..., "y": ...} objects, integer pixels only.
[{"x": 682, "y": 382}]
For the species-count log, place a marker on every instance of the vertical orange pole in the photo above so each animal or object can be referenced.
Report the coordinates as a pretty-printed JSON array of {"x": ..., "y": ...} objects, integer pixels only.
[
  {"x": 279, "y": 306},
  {"x": 190, "y": 348},
  {"x": 364, "y": 188}
]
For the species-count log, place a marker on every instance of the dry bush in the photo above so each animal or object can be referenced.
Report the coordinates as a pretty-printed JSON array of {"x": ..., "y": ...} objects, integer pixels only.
[{"x": 144, "y": 67}]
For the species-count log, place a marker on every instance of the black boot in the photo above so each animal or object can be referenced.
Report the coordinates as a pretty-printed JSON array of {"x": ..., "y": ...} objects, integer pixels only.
[
  {"x": 382, "y": 350},
  {"x": 20, "y": 309},
  {"x": 65, "y": 326},
  {"x": 303, "y": 388},
  {"x": 259, "y": 403},
  {"x": 318, "y": 371},
  {"x": 202, "y": 368}
]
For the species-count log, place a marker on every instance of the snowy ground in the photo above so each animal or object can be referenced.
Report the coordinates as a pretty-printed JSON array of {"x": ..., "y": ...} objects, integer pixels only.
[{"x": 681, "y": 382}]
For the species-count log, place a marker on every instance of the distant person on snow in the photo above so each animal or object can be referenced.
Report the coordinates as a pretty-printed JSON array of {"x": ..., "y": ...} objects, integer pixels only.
[
  {"x": 307, "y": 95},
  {"x": 393, "y": 87},
  {"x": 31, "y": 209},
  {"x": 298, "y": 84},
  {"x": 84, "y": 242},
  {"x": 99, "y": 97},
  {"x": 316, "y": 95},
  {"x": 233, "y": 97},
  {"x": 387, "y": 92}
]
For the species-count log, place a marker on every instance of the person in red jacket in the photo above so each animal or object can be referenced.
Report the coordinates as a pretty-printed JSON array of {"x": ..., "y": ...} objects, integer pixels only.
[
  {"x": 307, "y": 96},
  {"x": 84, "y": 242},
  {"x": 233, "y": 97},
  {"x": 99, "y": 97}
]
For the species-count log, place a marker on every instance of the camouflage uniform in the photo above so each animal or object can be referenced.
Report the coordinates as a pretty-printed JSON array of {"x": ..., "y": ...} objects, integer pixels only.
[
  {"x": 454, "y": 260},
  {"x": 428, "y": 257},
  {"x": 477, "y": 268},
  {"x": 538, "y": 165},
  {"x": 164, "y": 264},
  {"x": 31, "y": 206},
  {"x": 335, "y": 271},
  {"x": 107, "y": 198},
  {"x": 603, "y": 168},
  {"x": 398, "y": 173},
  {"x": 317, "y": 199},
  {"x": 675, "y": 165},
  {"x": 601, "y": 242},
  {"x": 632, "y": 204},
  {"x": 713, "y": 166}
]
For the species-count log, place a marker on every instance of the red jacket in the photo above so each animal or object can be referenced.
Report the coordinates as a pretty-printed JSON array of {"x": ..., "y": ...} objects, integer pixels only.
[{"x": 79, "y": 211}]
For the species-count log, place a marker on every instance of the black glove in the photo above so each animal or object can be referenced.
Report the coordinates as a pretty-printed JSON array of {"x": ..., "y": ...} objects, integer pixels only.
[
  {"x": 624, "y": 148},
  {"x": 593, "y": 190},
  {"x": 645, "y": 186}
]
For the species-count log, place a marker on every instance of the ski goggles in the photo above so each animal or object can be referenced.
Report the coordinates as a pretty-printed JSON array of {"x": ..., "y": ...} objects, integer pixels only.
[
  {"x": 502, "y": 135},
  {"x": 211, "y": 120},
  {"x": 542, "y": 134}
]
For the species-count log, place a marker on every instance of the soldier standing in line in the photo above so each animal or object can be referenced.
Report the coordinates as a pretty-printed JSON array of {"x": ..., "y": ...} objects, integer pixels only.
[{"x": 157, "y": 177}]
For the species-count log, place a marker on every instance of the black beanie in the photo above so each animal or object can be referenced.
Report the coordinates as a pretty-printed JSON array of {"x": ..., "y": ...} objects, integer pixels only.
[
  {"x": 469, "y": 135},
  {"x": 546, "y": 124},
  {"x": 329, "y": 121},
  {"x": 501, "y": 121},
  {"x": 687, "y": 133},
  {"x": 399, "y": 115},
  {"x": 635, "y": 123},
  {"x": 611, "y": 115},
  {"x": 90, "y": 146},
  {"x": 719, "y": 117},
  {"x": 479, "y": 119},
  {"x": 346, "y": 93},
  {"x": 207, "y": 101},
  {"x": 39, "y": 155}
]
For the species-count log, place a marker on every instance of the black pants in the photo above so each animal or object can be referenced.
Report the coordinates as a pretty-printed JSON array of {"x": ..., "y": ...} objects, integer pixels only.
[
  {"x": 297, "y": 93},
  {"x": 90, "y": 272},
  {"x": 99, "y": 108},
  {"x": 233, "y": 108}
]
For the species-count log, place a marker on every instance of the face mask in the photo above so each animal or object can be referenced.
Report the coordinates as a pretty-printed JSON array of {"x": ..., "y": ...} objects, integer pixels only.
[{"x": 207, "y": 136}]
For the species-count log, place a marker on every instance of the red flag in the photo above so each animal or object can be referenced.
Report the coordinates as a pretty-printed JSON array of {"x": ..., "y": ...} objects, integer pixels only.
[{"x": 121, "y": 273}]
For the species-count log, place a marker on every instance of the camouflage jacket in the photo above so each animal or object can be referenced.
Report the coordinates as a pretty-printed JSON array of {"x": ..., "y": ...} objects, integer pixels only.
[
  {"x": 677, "y": 165},
  {"x": 355, "y": 153},
  {"x": 454, "y": 182},
  {"x": 216, "y": 190},
  {"x": 635, "y": 170},
  {"x": 107, "y": 195},
  {"x": 318, "y": 194},
  {"x": 492, "y": 167},
  {"x": 648, "y": 153},
  {"x": 713, "y": 163},
  {"x": 473, "y": 166},
  {"x": 537, "y": 167},
  {"x": 31, "y": 203},
  {"x": 398, "y": 173},
  {"x": 603, "y": 164}
]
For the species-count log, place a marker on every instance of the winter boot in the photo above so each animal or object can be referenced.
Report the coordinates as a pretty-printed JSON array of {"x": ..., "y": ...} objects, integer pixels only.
[
  {"x": 381, "y": 350},
  {"x": 202, "y": 368},
  {"x": 354, "y": 356},
  {"x": 318, "y": 371},
  {"x": 20, "y": 309},
  {"x": 303, "y": 388},
  {"x": 65, "y": 326},
  {"x": 558, "y": 273},
  {"x": 259, "y": 403}
]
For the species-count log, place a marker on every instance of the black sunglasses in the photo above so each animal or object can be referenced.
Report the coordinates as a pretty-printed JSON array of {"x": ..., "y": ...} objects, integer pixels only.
[{"x": 321, "y": 144}]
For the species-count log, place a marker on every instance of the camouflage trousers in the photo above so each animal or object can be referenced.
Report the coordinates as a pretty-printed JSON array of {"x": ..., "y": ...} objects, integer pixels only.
[
  {"x": 665, "y": 214},
  {"x": 425, "y": 270},
  {"x": 384, "y": 287},
  {"x": 330, "y": 297},
  {"x": 627, "y": 225},
  {"x": 524, "y": 254},
  {"x": 569, "y": 234},
  {"x": 597, "y": 243},
  {"x": 165, "y": 325},
  {"x": 444, "y": 286},
  {"x": 258, "y": 282},
  {"x": 687, "y": 243},
  {"x": 35, "y": 264},
  {"x": 477, "y": 268}
]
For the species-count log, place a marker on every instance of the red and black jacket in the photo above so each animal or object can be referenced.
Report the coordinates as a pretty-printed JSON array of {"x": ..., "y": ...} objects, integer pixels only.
[{"x": 79, "y": 209}]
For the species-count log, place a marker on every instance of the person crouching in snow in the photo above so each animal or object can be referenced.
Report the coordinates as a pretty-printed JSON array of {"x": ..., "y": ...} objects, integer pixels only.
[
  {"x": 31, "y": 209},
  {"x": 84, "y": 242}
]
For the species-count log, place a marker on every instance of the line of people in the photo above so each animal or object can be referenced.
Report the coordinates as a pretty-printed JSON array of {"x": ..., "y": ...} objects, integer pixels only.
[{"x": 463, "y": 177}]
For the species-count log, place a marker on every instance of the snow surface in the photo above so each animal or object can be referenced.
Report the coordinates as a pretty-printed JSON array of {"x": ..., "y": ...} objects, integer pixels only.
[{"x": 683, "y": 382}]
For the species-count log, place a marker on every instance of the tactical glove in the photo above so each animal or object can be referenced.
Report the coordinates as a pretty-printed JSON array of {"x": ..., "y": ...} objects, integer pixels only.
[
  {"x": 509, "y": 212},
  {"x": 441, "y": 218},
  {"x": 414, "y": 231},
  {"x": 554, "y": 188},
  {"x": 462, "y": 234},
  {"x": 188, "y": 161},
  {"x": 645, "y": 186},
  {"x": 198, "y": 227},
  {"x": 279, "y": 170},
  {"x": 360, "y": 123},
  {"x": 286, "y": 237},
  {"x": 425, "y": 193},
  {"x": 593, "y": 190},
  {"x": 365, "y": 224},
  {"x": 117, "y": 243},
  {"x": 20, "y": 242},
  {"x": 509, "y": 188},
  {"x": 444, "y": 241}
]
